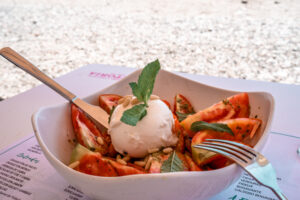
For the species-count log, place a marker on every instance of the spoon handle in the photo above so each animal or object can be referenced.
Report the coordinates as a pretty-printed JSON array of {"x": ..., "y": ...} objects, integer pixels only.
[{"x": 28, "y": 67}]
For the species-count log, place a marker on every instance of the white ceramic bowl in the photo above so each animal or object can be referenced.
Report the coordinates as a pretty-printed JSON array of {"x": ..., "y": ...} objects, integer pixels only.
[{"x": 53, "y": 128}]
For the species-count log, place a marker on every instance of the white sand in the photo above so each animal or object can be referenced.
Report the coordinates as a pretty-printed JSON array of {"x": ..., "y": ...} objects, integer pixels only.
[{"x": 259, "y": 40}]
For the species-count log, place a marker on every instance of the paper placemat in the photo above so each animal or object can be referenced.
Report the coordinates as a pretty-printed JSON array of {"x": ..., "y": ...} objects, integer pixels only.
[{"x": 25, "y": 174}]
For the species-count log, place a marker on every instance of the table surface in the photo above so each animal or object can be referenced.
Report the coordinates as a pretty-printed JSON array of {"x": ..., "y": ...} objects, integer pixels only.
[{"x": 15, "y": 115}]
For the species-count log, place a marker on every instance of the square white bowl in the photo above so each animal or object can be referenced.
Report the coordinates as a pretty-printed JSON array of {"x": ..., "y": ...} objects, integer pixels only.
[{"x": 53, "y": 129}]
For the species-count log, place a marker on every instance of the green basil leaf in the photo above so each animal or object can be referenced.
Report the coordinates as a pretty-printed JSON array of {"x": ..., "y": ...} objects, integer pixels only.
[
  {"x": 134, "y": 114},
  {"x": 182, "y": 116},
  {"x": 136, "y": 91},
  {"x": 111, "y": 112},
  {"x": 201, "y": 125},
  {"x": 146, "y": 80},
  {"x": 142, "y": 90},
  {"x": 172, "y": 164}
]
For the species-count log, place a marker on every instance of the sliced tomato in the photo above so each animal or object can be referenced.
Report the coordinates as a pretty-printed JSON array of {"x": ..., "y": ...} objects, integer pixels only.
[
  {"x": 192, "y": 165},
  {"x": 233, "y": 107},
  {"x": 111, "y": 151},
  {"x": 243, "y": 129},
  {"x": 157, "y": 162},
  {"x": 124, "y": 170},
  {"x": 94, "y": 164},
  {"x": 155, "y": 166},
  {"x": 178, "y": 130},
  {"x": 182, "y": 105},
  {"x": 219, "y": 163},
  {"x": 187, "y": 143},
  {"x": 136, "y": 167},
  {"x": 108, "y": 101},
  {"x": 184, "y": 161},
  {"x": 86, "y": 132}
]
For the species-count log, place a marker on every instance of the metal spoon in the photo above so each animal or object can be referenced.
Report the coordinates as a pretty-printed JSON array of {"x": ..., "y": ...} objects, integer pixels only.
[{"x": 97, "y": 114}]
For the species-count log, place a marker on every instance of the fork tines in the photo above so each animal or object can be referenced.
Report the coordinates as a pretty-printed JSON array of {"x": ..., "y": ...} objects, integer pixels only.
[{"x": 236, "y": 151}]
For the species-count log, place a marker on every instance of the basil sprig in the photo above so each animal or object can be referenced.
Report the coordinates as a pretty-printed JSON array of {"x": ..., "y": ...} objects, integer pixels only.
[
  {"x": 182, "y": 116},
  {"x": 172, "y": 164},
  {"x": 142, "y": 90},
  {"x": 201, "y": 125}
]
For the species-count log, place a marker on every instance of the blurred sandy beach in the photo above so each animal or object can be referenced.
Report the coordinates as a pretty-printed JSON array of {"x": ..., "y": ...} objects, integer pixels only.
[{"x": 253, "y": 40}]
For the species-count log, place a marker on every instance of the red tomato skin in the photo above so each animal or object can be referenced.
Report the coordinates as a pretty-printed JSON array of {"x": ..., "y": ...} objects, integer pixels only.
[
  {"x": 108, "y": 101},
  {"x": 124, "y": 170},
  {"x": 219, "y": 162},
  {"x": 243, "y": 129},
  {"x": 78, "y": 114},
  {"x": 94, "y": 164},
  {"x": 232, "y": 107},
  {"x": 178, "y": 130},
  {"x": 181, "y": 156},
  {"x": 182, "y": 104},
  {"x": 79, "y": 117},
  {"x": 191, "y": 164},
  {"x": 155, "y": 167}
]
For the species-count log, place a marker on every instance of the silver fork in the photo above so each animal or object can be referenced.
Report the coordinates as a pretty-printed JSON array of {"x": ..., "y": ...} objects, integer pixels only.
[
  {"x": 250, "y": 160},
  {"x": 97, "y": 114}
]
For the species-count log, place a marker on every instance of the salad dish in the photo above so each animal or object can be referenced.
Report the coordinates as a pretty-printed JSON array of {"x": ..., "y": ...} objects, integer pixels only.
[{"x": 155, "y": 118}]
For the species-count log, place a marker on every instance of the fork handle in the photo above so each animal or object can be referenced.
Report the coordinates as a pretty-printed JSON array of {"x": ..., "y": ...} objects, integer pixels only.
[{"x": 28, "y": 67}]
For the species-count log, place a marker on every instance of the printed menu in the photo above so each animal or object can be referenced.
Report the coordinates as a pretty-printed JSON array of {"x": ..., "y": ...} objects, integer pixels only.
[{"x": 25, "y": 174}]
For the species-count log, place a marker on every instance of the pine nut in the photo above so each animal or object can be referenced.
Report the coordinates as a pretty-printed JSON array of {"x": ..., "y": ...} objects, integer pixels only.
[
  {"x": 126, "y": 102},
  {"x": 146, "y": 158},
  {"x": 148, "y": 164},
  {"x": 140, "y": 163},
  {"x": 153, "y": 150},
  {"x": 100, "y": 140},
  {"x": 167, "y": 150},
  {"x": 154, "y": 97},
  {"x": 126, "y": 158},
  {"x": 134, "y": 101},
  {"x": 122, "y": 162},
  {"x": 128, "y": 96},
  {"x": 73, "y": 165},
  {"x": 121, "y": 100}
]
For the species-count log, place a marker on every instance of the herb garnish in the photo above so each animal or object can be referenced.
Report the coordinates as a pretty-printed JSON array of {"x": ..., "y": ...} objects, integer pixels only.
[
  {"x": 201, "y": 125},
  {"x": 182, "y": 116},
  {"x": 172, "y": 164},
  {"x": 134, "y": 114},
  {"x": 142, "y": 90}
]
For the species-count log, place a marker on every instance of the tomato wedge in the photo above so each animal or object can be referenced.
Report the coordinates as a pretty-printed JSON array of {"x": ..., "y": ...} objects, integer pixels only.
[
  {"x": 233, "y": 107},
  {"x": 94, "y": 164},
  {"x": 86, "y": 132},
  {"x": 108, "y": 101},
  {"x": 192, "y": 165},
  {"x": 219, "y": 163},
  {"x": 243, "y": 129},
  {"x": 124, "y": 170},
  {"x": 178, "y": 130},
  {"x": 182, "y": 105},
  {"x": 155, "y": 166}
]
